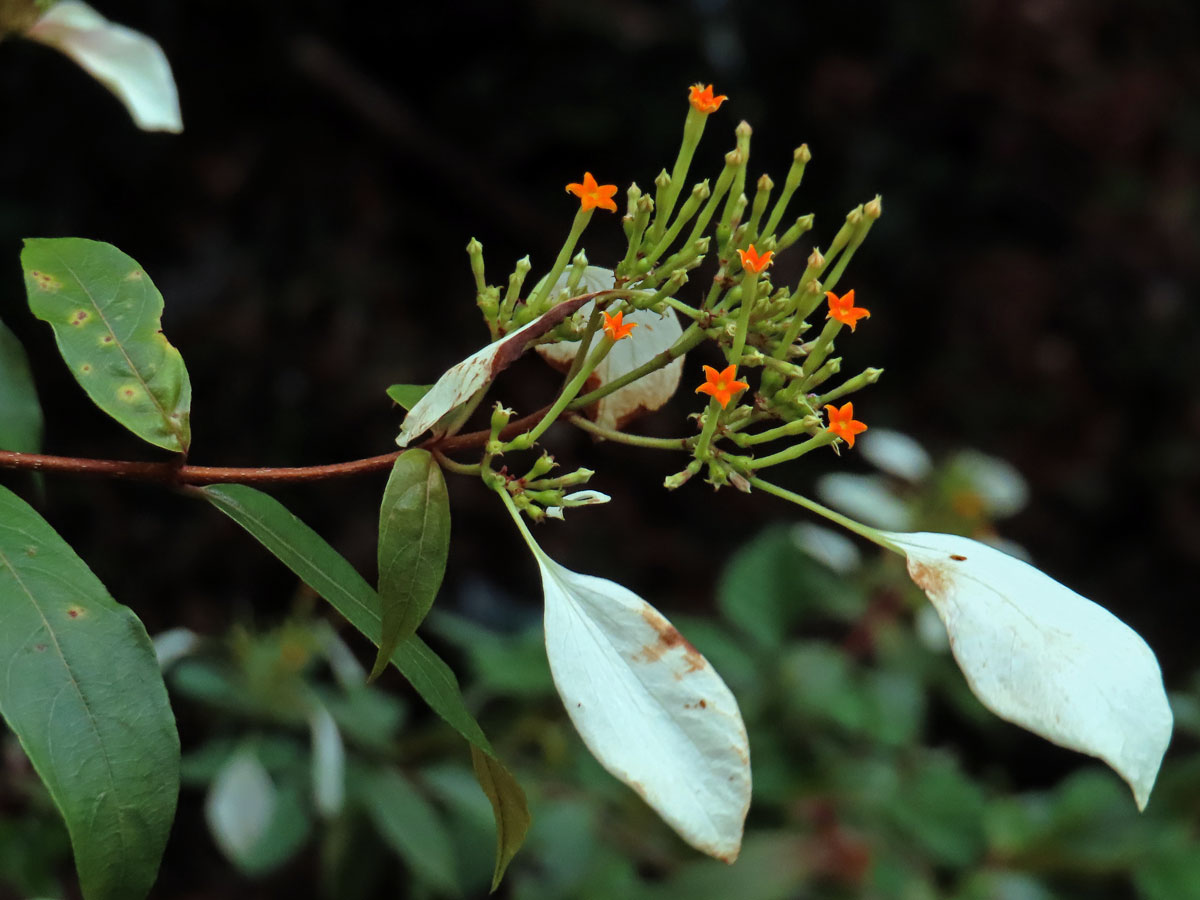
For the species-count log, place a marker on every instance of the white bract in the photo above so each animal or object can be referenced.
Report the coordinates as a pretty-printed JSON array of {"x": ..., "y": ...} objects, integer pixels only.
[
  {"x": 648, "y": 705},
  {"x": 464, "y": 381},
  {"x": 127, "y": 62},
  {"x": 1043, "y": 657},
  {"x": 654, "y": 334}
]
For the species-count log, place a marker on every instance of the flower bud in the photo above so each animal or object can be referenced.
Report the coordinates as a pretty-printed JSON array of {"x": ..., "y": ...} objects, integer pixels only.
[{"x": 475, "y": 252}]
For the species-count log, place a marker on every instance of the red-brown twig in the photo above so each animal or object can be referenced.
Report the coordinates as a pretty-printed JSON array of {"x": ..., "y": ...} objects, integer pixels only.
[{"x": 171, "y": 472}]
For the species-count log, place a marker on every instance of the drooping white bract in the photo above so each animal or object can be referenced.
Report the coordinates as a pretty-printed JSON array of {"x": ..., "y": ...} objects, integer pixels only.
[
  {"x": 654, "y": 334},
  {"x": 648, "y": 705},
  {"x": 127, "y": 62},
  {"x": 462, "y": 381},
  {"x": 1043, "y": 657}
]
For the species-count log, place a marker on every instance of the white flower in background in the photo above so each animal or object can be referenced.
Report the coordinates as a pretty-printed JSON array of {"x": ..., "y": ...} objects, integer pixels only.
[
  {"x": 896, "y": 454},
  {"x": 826, "y": 546},
  {"x": 868, "y": 498}
]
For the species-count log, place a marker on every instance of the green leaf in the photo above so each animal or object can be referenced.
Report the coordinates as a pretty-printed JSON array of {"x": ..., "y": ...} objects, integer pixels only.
[
  {"x": 508, "y": 808},
  {"x": 328, "y": 573},
  {"x": 411, "y": 826},
  {"x": 941, "y": 809},
  {"x": 84, "y": 695},
  {"x": 106, "y": 316},
  {"x": 407, "y": 395},
  {"x": 20, "y": 412},
  {"x": 511, "y": 665},
  {"x": 771, "y": 583},
  {"x": 414, "y": 540}
]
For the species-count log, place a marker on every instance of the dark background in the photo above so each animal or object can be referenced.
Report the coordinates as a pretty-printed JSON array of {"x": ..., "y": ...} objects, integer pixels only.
[{"x": 1032, "y": 283}]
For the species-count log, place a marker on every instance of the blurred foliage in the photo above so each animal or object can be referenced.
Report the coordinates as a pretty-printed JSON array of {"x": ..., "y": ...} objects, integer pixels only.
[{"x": 877, "y": 773}]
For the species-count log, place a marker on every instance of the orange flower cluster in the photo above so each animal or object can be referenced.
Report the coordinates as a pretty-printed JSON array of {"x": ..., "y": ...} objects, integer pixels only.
[
  {"x": 721, "y": 385},
  {"x": 843, "y": 309},
  {"x": 592, "y": 195},
  {"x": 842, "y": 423},
  {"x": 615, "y": 328}
]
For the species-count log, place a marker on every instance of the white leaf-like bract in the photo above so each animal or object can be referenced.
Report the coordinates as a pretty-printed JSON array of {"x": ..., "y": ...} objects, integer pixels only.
[
  {"x": 127, "y": 62},
  {"x": 1043, "y": 657},
  {"x": 654, "y": 334},
  {"x": 648, "y": 705},
  {"x": 462, "y": 381}
]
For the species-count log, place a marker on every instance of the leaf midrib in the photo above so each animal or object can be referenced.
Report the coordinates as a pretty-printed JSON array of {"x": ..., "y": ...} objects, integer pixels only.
[{"x": 91, "y": 718}]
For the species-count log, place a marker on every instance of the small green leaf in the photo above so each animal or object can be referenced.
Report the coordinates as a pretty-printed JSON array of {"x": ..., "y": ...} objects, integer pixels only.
[
  {"x": 84, "y": 695},
  {"x": 411, "y": 826},
  {"x": 508, "y": 808},
  {"x": 328, "y": 573},
  {"x": 20, "y": 412},
  {"x": 407, "y": 395},
  {"x": 414, "y": 540},
  {"x": 106, "y": 315}
]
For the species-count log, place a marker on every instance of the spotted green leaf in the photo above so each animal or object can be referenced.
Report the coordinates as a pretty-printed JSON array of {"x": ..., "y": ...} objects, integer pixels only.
[
  {"x": 106, "y": 315},
  {"x": 84, "y": 695}
]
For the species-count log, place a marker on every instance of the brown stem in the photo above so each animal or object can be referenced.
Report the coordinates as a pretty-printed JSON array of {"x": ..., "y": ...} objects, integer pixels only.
[{"x": 172, "y": 472}]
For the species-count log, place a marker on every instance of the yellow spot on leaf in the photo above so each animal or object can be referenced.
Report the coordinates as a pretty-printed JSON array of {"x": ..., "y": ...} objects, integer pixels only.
[{"x": 45, "y": 281}]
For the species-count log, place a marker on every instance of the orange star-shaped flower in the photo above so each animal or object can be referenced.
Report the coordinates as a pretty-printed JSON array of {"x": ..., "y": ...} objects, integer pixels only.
[
  {"x": 702, "y": 99},
  {"x": 752, "y": 261},
  {"x": 841, "y": 423},
  {"x": 722, "y": 385},
  {"x": 843, "y": 309},
  {"x": 615, "y": 328},
  {"x": 592, "y": 195}
]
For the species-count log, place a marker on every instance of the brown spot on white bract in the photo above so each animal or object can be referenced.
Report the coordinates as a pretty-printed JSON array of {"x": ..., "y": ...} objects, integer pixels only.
[
  {"x": 668, "y": 637},
  {"x": 929, "y": 578},
  {"x": 957, "y": 557}
]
